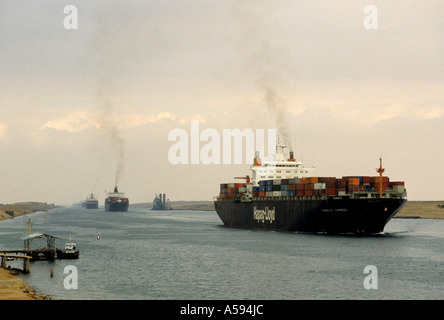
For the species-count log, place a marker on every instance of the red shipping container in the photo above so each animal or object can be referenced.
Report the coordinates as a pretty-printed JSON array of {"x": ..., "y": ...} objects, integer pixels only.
[
  {"x": 340, "y": 183},
  {"x": 308, "y": 192},
  {"x": 396, "y": 183},
  {"x": 309, "y": 186}
]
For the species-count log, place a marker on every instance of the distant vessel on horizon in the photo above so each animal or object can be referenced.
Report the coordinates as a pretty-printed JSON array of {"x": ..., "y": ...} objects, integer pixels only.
[
  {"x": 159, "y": 203},
  {"x": 116, "y": 201},
  {"x": 91, "y": 202}
]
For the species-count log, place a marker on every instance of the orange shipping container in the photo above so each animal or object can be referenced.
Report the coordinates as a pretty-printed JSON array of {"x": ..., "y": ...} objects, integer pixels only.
[
  {"x": 354, "y": 181},
  {"x": 376, "y": 179}
]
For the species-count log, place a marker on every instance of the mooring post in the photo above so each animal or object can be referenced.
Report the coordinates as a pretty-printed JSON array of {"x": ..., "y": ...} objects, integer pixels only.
[
  {"x": 26, "y": 265},
  {"x": 3, "y": 261}
]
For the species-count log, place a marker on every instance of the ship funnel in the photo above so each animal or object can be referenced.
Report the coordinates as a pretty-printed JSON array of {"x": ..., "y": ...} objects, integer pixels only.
[
  {"x": 291, "y": 157},
  {"x": 257, "y": 160}
]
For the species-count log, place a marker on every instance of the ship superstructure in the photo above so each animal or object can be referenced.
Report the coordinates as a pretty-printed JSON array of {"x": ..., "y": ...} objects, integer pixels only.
[{"x": 280, "y": 166}]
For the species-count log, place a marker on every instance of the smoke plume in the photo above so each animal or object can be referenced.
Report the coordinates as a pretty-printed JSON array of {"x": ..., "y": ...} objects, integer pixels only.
[
  {"x": 266, "y": 59},
  {"x": 275, "y": 104},
  {"x": 110, "y": 132},
  {"x": 111, "y": 56}
]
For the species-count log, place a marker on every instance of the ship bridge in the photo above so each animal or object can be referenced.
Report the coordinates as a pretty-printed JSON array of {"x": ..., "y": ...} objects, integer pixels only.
[{"x": 281, "y": 166}]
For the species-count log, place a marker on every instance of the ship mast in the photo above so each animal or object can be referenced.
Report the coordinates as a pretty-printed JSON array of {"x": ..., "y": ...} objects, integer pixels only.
[{"x": 380, "y": 170}]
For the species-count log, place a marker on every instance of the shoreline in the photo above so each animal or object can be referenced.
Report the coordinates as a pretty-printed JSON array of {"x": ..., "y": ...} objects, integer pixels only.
[
  {"x": 11, "y": 286},
  {"x": 14, "y": 288},
  {"x": 10, "y": 211},
  {"x": 412, "y": 209},
  {"x": 422, "y": 210}
]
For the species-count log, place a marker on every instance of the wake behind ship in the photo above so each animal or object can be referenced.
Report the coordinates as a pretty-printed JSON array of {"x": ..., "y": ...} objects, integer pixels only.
[
  {"x": 116, "y": 201},
  {"x": 282, "y": 195}
]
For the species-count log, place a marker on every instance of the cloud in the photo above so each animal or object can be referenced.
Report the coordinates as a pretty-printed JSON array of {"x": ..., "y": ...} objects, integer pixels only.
[
  {"x": 73, "y": 122},
  {"x": 82, "y": 120},
  {"x": 3, "y": 131}
]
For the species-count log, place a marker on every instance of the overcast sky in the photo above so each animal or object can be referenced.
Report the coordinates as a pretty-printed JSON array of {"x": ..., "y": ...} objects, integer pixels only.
[{"x": 85, "y": 107}]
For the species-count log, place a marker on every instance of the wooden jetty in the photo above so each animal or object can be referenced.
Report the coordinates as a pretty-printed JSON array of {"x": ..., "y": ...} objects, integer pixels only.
[
  {"x": 5, "y": 256},
  {"x": 48, "y": 252}
]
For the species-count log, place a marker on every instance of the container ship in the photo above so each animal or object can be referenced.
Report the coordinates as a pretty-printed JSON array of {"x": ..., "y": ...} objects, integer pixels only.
[
  {"x": 116, "y": 201},
  {"x": 91, "y": 202},
  {"x": 282, "y": 195}
]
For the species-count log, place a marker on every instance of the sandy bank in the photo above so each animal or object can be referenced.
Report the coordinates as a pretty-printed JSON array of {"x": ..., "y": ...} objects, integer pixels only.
[
  {"x": 9, "y": 211},
  {"x": 14, "y": 288},
  {"x": 422, "y": 210}
]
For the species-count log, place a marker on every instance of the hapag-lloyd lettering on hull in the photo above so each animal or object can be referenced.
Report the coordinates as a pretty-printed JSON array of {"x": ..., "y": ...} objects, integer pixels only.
[{"x": 262, "y": 215}]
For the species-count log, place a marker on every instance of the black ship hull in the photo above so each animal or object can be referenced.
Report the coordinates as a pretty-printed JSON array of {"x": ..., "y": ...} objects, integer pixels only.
[
  {"x": 327, "y": 215},
  {"x": 116, "y": 206},
  {"x": 92, "y": 205},
  {"x": 69, "y": 255}
]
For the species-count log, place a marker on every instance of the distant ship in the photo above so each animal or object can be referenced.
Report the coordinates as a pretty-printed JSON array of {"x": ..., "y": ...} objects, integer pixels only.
[
  {"x": 161, "y": 204},
  {"x": 282, "y": 195},
  {"x": 116, "y": 201},
  {"x": 91, "y": 202}
]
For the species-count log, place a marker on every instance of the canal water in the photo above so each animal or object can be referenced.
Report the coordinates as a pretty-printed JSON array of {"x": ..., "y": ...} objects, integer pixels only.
[{"x": 169, "y": 255}]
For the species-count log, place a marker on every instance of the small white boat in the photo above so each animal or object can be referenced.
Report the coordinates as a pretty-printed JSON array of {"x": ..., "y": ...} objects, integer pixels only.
[{"x": 70, "y": 251}]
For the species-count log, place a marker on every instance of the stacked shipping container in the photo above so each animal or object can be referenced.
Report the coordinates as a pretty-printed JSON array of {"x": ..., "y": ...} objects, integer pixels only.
[{"x": 313, "y": 186}]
